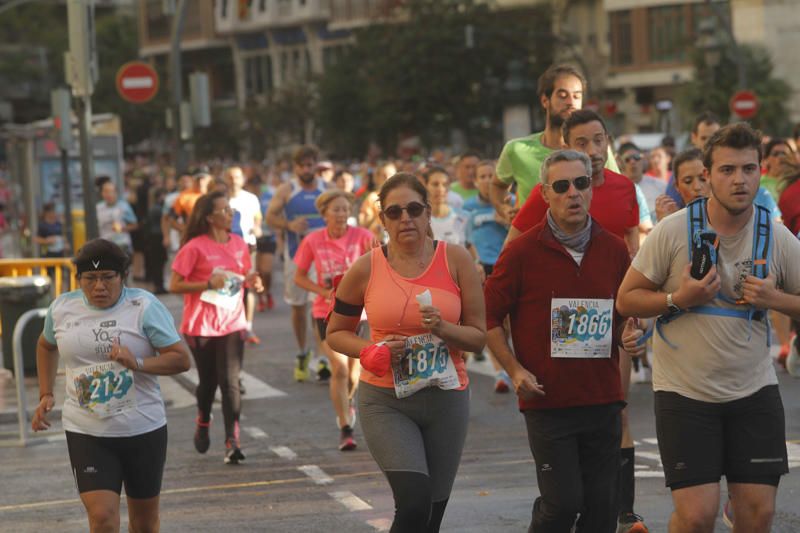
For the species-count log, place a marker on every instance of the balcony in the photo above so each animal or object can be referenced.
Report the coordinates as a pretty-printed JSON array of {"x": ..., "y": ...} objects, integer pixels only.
[{"x": 233, "y": 16}]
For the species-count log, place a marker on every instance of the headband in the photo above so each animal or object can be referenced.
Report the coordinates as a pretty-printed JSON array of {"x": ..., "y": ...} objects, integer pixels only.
[{"x": 100, "y": 263}]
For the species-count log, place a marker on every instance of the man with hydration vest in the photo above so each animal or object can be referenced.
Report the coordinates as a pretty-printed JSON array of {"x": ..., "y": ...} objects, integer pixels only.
[{"x": 711, "y": 272}]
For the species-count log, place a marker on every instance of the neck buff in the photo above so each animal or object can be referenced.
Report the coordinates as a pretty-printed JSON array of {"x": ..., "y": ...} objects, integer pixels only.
[{"x": 578, "y": 241}]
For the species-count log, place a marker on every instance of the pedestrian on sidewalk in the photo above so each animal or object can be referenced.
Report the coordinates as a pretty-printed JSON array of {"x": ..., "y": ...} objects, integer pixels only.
[{"x": 115, "y": 342}]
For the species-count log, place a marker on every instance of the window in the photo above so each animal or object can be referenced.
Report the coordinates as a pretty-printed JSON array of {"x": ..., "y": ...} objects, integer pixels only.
[
  {"x": 258, "y": 75},
  {"x": 667, "y": 37},
  {"x": 262, "y": 5},
  {"x": 621, "y": 38}
]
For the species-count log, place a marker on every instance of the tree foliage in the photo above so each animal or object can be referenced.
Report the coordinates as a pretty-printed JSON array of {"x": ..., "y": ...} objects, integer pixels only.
[
  {"x": 712, "y": 88},
  {"x": 424, "y": 76}
]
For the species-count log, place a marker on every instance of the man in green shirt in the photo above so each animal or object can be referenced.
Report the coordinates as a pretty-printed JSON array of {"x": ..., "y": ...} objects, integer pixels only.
[
  {"x": 560, "y": 89},
  {"x": 466, "y": 171}
]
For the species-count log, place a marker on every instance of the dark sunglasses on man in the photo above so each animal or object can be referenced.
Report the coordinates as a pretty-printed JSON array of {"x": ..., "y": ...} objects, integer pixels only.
[
  {"x": 561, "y": 186},
  {"x": 633, "y": 157}
]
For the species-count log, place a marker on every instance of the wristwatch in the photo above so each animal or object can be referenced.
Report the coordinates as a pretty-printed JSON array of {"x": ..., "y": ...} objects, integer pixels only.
[{"x": 671, "y": 305}]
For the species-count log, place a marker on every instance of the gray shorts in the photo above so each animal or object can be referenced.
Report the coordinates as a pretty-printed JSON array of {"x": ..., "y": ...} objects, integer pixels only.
[
  {"x": 422, "y": 433},
  {"x": 292, "y": 294}
]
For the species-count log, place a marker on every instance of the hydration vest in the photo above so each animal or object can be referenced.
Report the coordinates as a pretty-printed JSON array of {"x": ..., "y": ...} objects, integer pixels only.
[{"x": 696, "y": 223}]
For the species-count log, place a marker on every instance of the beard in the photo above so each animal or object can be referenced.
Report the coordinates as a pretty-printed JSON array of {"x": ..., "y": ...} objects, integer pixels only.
[
  {"x": 306, "y": 178},
  {"x": 555, "y": 121}
]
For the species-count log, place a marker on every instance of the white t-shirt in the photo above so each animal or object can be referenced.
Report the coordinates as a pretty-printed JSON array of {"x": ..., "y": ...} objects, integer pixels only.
[
  {"x": 451, "y": 228},
  {"x": 652, "y": 188},
  {"x": 85, "y": 335},
  {"x": 121, "y": 213},
  {"x": 248, "y": 206},
  {"x": 717, "y": 359}
]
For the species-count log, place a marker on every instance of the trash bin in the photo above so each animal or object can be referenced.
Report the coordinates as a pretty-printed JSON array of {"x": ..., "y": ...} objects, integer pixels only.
[{"x": 18, "y": 295}]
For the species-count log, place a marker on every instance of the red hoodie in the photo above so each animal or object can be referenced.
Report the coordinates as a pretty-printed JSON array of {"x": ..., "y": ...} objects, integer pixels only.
[{"x": 532, "y": 270}]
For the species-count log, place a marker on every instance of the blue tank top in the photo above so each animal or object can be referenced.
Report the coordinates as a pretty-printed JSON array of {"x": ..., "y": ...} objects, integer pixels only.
[{"x": 301, "y": 204}]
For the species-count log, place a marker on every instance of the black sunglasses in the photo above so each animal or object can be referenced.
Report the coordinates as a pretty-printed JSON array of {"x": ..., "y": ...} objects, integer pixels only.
[
  {"x": 561, "y": 186},
  {"x": 394, "y": 212},
  {"x": 633, "y": 157}
]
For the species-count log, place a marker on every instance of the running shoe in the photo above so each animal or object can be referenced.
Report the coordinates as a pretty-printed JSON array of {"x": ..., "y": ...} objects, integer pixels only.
[
  {"x": 346, "y": 440},
  {"x": 301, "y": 367},
  {"x": 201, "y": 438},
  {"x": 323, "y": 372},
  {"x": 503, "y": 383},
  {"x": 727, "y": 513},
  {"x": 233, "y": 453},
  {"x": 631, "y": 523}
]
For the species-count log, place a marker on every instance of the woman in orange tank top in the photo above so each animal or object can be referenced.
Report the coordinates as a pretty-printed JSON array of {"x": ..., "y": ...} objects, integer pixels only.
[{"x": 425, "y": 308}]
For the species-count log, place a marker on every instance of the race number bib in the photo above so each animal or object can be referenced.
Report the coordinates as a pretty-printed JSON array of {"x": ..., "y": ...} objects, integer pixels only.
[
  {"x": 426, "y": 363},
  {"x": 581, "y": 328},
  {"x": 104, "y": 389},
  {"x": 230, "y": 295}
]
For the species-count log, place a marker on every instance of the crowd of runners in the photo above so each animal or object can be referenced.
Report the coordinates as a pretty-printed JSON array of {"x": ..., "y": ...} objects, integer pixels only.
[{"x": 571, "y": 262}]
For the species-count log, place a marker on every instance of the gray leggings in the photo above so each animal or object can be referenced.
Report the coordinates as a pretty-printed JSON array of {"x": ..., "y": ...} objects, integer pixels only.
[{"x": 422, "y": 433}]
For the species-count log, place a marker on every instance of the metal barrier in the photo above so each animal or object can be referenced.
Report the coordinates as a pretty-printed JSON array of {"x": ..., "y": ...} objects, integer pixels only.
[
  {"x": 38, "y": 267},
  {"x": 19, "y": 377}
]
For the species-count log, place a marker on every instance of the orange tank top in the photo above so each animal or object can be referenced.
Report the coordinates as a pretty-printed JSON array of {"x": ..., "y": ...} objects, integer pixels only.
[{"x": 392, "y": 308}]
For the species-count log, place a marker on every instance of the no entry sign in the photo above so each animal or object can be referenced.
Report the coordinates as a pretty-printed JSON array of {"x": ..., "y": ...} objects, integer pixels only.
[
  {"x": 744, "y": 104},
  {"x": 137, "y": 82}
]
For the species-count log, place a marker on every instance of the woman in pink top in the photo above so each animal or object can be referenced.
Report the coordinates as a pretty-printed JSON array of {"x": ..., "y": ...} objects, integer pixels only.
[
  {"x": 425, "y": 308},
  {"x": 333, "y": 249},
  {"x": 211, "y": 270}
]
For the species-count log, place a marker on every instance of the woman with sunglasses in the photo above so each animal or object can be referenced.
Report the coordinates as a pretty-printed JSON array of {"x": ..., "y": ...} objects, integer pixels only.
[
  {"x": 115, "y": 341},
  {"x": 211, "y": 270},
  {"x": 332, "y": 250},
  {"x": 424, "y": 306}
]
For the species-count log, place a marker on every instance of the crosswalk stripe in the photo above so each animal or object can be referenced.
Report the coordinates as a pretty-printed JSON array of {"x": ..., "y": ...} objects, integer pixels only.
[
  {"x": 316, "y": 474},
  {"x": 256, "y": 389},
  {"x": 350, "y": 500},
  {"x": 284, "y": 452}
]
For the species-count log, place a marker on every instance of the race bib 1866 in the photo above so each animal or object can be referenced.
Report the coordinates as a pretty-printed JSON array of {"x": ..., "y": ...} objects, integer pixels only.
[
  {"x": 426, "y": 363},
  {"x": 104, "y": 389},
  {"x": 581, "y": 327}
]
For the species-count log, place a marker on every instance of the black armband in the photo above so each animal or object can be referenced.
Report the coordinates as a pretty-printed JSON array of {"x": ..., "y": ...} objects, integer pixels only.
[{"x": 346, "y": 309}]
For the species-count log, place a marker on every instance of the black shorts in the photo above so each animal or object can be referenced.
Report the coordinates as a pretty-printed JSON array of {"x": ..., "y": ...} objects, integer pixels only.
[
  {"x": 743, "y": 440},
  {"x": 266, "y": 244},
  {"x": 105, "y": 463}
]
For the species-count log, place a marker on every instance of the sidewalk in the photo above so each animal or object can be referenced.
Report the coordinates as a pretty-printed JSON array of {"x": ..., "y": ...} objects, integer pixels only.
[{"x": 8, "y": 395}]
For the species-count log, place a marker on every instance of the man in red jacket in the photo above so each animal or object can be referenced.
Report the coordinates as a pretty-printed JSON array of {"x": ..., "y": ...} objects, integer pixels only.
[{"x": 566, "y": 333}]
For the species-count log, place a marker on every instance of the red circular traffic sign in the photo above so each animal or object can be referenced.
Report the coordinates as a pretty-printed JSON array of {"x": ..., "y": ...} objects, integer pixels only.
[
  {"x": 137, "y": 82},
  {"x": 744, "y": 104}
]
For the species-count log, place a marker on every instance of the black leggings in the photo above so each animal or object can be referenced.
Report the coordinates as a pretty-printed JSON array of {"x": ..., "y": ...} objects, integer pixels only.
[
  {"x": 219, "y": 360},
  {"x": 414, "y": 512}
]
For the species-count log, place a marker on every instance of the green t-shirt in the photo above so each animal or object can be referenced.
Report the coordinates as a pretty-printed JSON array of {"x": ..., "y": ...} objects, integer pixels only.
[
  {"x": 521, "y": 160},
  {"x": 464, "y": 193},
  {"x": 771, "y": 184}
]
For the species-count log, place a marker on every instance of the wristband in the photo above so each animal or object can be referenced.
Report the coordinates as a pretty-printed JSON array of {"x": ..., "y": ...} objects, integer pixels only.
[{"x": 42, "y": 395}]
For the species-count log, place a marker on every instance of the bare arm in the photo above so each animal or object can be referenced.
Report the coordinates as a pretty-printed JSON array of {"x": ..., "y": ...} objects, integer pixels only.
[
  {"x": 341, "y": 333},
  {"x": 46, "y": 367},
  {"x": 179, "y": 285},
  {"x": 302, "y": 280},
  {"x": 275, "y": 215},
  {"x": 172, "y": 359}
]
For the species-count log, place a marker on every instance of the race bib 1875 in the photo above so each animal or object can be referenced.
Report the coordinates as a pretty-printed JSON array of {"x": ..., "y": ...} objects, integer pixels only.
[
  {"x": 426, "y": 363},
  {"x": 581, "y": 327},
  {"x": 104, "y": 389}
]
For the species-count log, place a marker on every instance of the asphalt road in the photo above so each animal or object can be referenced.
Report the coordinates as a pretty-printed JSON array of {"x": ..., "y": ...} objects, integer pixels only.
[{"x": 295, "y": 480}]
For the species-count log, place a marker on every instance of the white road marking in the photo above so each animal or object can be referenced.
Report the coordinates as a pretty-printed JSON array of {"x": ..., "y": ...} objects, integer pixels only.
[
  {"x": 648, "y": 473},
  {"x": 380, "y": 524},
  {"x": 284, "y": 452},
  {"x": 350, "y": 501},
  {"x": 649, "y": 455},
  {"x": 316, "y": 474},
  {"x": 256, "y": 388},
  {"x": 652, "y": 441},
  {"x": 254, "y": 432}
]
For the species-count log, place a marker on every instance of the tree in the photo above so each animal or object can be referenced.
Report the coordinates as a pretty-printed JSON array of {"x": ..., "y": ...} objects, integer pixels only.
[
  {"x": 712, "y": 88},
  {"x": 427, "y": 69}
]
